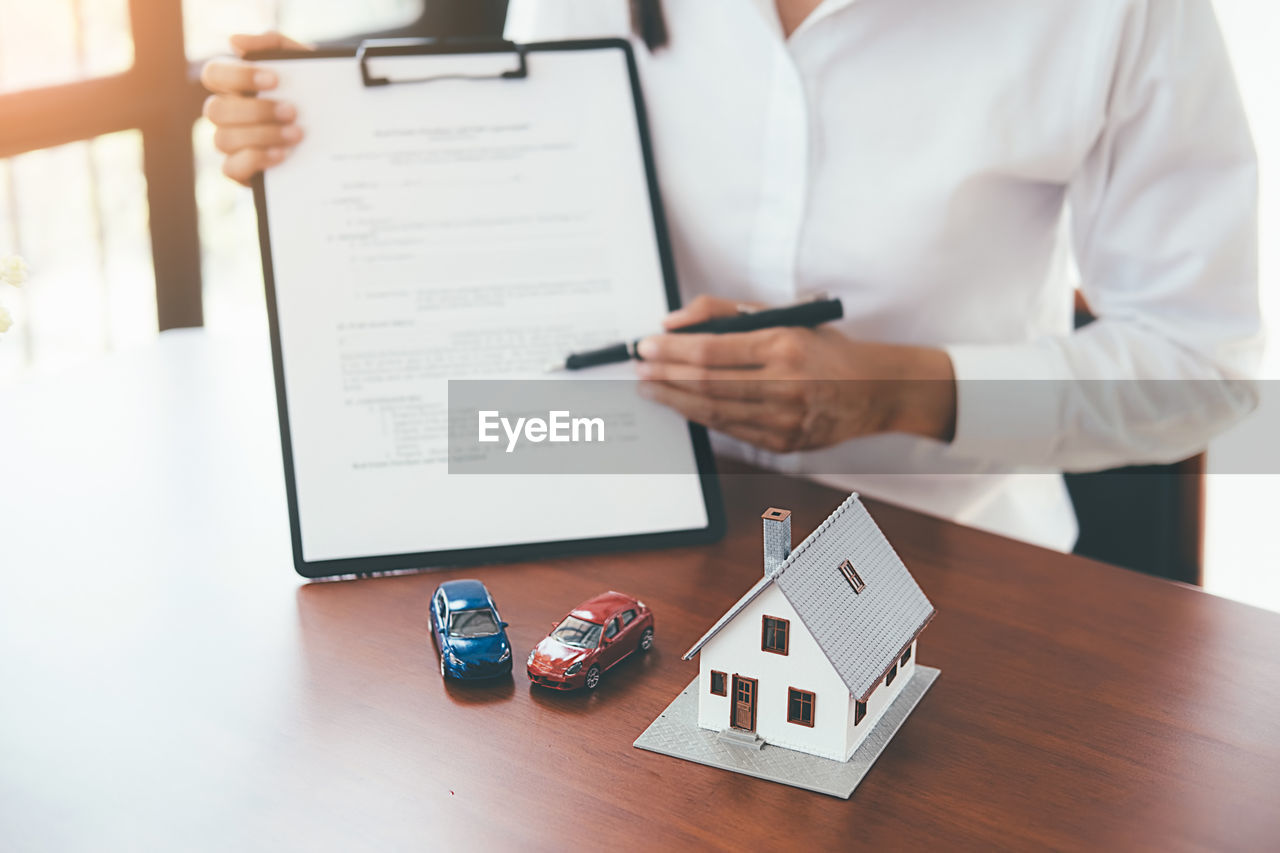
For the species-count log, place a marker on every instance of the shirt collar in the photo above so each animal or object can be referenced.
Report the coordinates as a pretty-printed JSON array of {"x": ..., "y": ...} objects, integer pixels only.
[{"x": 769, "y": 12}]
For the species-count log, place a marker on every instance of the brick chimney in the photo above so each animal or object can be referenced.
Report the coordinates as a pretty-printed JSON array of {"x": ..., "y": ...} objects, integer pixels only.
[{"x": 777, "y": 538}]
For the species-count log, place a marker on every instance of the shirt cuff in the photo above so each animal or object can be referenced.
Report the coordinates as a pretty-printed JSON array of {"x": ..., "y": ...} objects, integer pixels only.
[{"x": 1009, "y": 402}]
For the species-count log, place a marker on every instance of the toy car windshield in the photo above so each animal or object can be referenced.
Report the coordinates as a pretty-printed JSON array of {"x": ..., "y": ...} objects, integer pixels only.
[
  {"x": 473, "y": 623},
  {"x": 577, "y": 633}
]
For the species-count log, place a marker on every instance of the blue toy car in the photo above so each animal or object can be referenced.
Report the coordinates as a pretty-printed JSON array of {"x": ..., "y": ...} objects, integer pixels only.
[{"x": 469, "y": 633}]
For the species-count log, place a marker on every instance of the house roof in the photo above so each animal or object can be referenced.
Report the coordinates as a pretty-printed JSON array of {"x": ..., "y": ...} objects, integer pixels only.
[{"x": 862, "y": 634}]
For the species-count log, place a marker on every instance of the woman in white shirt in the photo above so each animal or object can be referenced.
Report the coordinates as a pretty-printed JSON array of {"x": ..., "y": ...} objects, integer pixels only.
[{"x": 948, "y": 170}]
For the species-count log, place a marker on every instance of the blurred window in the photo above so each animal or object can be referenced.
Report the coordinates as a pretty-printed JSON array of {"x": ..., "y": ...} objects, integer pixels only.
[
  {"x": 46, "y": 42},
  {"x": 101, "y": 168},
  {"x": 78, "y": 213},
  {"x": 209, "y": 23}
]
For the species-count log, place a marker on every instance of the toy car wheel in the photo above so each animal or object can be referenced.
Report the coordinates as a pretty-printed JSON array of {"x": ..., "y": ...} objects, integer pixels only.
[
  {"x": 593, "y": 678},
  {"x": 646, "y": 640}
]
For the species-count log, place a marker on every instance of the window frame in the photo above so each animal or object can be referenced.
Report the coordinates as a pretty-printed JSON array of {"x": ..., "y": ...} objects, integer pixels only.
[
  {"x": 906, "y": 656},
  {"x": 161, "y": 96},
  {"x": 724, "y": 683},
  {"x": 891, "y": 674},
  {"x": 859, "y": 712},
  {"x": 786, "y": 635},
  {"x": 797, "y": 693}
]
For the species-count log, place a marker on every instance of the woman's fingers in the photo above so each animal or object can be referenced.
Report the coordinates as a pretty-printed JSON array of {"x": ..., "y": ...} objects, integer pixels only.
[
  {"x": 719, "y": 383},
  {"x": 247, "y": 162},
  {"x": 255, "y": 133},
  {"x": 778, "y": 428},
  {"x": 246, "y": 43},
  {"x": 744, "y": 349},
  {"x": 704, "y": 308},
  {"x": 231, "y": 139},
  {"x": 726, "y": 414},
  {"x": 232, "y": 110},
  {"x": 234, "y": 76}
]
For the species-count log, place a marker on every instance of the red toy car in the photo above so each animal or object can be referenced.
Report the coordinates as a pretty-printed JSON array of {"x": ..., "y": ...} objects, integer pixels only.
[{"x": 595, "y": 636}]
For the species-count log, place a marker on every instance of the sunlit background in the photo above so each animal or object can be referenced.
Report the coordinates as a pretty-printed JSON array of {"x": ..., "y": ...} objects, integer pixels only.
[{"x": 79, "y": 213}]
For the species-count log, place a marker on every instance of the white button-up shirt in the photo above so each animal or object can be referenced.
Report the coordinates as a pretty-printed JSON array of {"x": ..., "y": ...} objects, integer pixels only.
[{"x": 948, "y": 170}]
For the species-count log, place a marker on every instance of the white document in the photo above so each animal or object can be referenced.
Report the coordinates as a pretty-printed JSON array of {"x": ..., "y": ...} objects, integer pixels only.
[{"x": 460, "y": 229}]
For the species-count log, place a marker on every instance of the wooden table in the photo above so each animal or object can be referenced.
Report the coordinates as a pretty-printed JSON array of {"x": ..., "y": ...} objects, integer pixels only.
[{"x": 167, "y": 683}]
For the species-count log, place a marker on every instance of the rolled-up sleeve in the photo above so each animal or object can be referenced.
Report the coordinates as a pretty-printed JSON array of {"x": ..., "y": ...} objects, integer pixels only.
[{"x": 1164, "y": 225}]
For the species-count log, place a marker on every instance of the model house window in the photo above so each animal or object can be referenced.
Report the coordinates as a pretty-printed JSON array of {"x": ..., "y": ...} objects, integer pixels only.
[
  {"x": 775, "y": 635},
  {"x": 718, "y": 679},
  {"x": 851, "y": 575},
  {"x": 627, "y": 617},
  {"x": 859, "y": 711},
  {"x": 800, "y": 707},
  {"x": 893, "y": 673},
  {"x": 906, "y": 656}
]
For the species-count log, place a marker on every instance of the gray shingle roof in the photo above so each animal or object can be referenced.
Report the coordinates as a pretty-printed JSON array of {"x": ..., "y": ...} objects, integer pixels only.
[{"x": 862, "y": 634}]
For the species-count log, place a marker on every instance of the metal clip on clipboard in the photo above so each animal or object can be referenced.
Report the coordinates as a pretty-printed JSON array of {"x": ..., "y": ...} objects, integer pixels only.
[{"x": 433, "y": 47}]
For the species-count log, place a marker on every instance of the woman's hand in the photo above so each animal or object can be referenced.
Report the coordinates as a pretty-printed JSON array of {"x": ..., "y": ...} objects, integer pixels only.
[
  {"x": 795, "y": 388},
  {"x": 255, "y": 133}
]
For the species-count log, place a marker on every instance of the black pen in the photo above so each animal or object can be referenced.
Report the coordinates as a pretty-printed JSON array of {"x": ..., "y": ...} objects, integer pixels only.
[{"x": 809, "y": 314}]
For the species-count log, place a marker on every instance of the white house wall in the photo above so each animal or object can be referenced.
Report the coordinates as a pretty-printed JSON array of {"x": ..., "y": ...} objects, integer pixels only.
[
  {"x": 736, "y": 650},
  {"x": 877, "y": 702}
]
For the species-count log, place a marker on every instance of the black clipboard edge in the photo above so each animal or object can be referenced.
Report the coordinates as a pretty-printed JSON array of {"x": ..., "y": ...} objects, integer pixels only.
[{"x": 394, "y": 564}]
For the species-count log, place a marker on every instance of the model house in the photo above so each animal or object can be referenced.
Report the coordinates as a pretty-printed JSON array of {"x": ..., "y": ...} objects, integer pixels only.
[{"x": 816, "y": 651}]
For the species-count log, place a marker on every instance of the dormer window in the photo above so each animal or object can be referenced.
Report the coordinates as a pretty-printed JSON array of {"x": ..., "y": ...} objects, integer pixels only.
[{"x": 851, "y": 575}]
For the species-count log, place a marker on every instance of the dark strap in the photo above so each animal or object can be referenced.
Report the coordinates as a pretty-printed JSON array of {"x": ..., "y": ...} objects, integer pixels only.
[{"x": 648, "y": 23}]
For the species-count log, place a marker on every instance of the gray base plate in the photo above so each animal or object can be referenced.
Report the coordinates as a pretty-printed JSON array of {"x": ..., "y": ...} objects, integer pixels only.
[{"x": 676, "y": 733}]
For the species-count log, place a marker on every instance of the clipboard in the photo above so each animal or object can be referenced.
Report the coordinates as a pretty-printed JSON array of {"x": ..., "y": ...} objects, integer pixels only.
[{"x": 341, "y": 524}]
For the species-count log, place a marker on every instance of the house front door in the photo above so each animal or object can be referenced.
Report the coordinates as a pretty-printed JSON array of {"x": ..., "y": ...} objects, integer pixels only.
[{"x": 742, "y": 711}]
